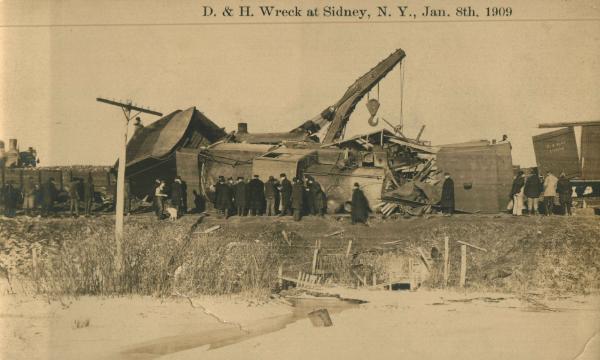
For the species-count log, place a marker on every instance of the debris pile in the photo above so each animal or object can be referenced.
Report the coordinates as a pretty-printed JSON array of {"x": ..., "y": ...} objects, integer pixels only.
[{"x": 412, "y": 184}]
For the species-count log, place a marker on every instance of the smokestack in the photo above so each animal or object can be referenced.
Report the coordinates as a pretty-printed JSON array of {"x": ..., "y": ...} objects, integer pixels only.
[
  {"x": 12, "y": 155},
  {"x": 12, "y": 144},
  {"x": 242, "y": 128}
]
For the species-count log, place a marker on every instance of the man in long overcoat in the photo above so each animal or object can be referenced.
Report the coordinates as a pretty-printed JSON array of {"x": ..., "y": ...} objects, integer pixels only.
[
  {"x": 314, "y": 197},
  {"x": 177, "y": 195},
  {"x": 321, "y": 202},
  {"x": 11, "y": 198},
  {"x": 517, "y": 193},
  {"x": 270, "y": 195},
  {"x": 550, "y": 183},
  {"x": 360, "y": 206},
  {"x": 447, "y": 199},
  {"x": 564, "y": 190},
  {"x": 533, "y": 190},
  {"x": 241, "y": 196},
  {"x": 285, "y": 188},
  {"x": 74, "y": 197},
  {"x": 48, "y": 196},
  {"x": 256, "y": 196},
  {"x": 223, "y": 197},
  {"x": 297, "y": 198}
]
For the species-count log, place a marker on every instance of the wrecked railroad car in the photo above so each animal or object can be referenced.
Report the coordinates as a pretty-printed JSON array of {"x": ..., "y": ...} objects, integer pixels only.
[
  {"x": 482, "y": 174},
  {"x": 561, "y": 151},
  {"x": 397, "y": 173},
  {"x": 151, "y": 151}
]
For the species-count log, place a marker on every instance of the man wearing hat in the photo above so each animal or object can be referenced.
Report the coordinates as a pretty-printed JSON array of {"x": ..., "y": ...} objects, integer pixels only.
[
  {"x": 177, "y": 195},
  {"x": 241, "y": 196},
  {"x": 285, "y": 188},
  {"x": 297, "y": 198},
  {"x": 360, "y": 206},
  {"x": 447, "y": 198},
  {"x": 256, "y": 196},
  {"x": 223, "y": 197}
]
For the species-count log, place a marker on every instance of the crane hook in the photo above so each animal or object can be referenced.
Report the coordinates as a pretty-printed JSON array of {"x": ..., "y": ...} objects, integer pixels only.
[
  {"x": 373, "y": 121},
  {"x": 373, "y": 107}
]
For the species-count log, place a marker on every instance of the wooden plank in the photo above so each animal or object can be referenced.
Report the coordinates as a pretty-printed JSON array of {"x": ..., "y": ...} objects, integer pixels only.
[
  {"x": 314, "y": 260},
  {"x": 420, "y": 133},
  {"x": 424, "y": 259},
  {"x": 211, "y": 229},
  {"x": 360, "y": 279},
  {"x": 280, "y": 276},
  {"x": 411, "y": 275},
  {"x": 568, "y": 124},
  {"x": 335, "y": 233},
  {"x": 348, "y": 248},
  {"x": 446, "y": 259},
  {"x": 286, "y": 238},
  {"x": 34, "y": 262},
  {"x": 463, "y": 265},
  {"x": 471, "y": 245}
]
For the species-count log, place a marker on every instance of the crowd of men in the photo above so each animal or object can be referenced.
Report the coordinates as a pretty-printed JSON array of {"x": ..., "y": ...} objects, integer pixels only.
[
  {"x": 40, "y": 200},
  {"x": 533, "y": 193},
  {"x": 279, "y": 197}
]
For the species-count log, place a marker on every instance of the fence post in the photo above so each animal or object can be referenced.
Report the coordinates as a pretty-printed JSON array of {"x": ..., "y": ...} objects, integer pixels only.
[
  {"x": 349, "y": 248},
  {"x": 280, "y": 276},
  {"x": 314, "y": 261},
  {"x": 463, "y": 265},
  {"x": 446, "y": 259}
]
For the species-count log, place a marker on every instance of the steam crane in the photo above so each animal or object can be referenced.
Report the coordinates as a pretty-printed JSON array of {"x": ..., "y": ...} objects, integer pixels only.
[{"x": 338, "y": 114}]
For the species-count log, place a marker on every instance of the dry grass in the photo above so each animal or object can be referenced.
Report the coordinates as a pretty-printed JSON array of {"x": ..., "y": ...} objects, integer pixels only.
[
  {"x": 157, "y": 259},
  {"x": 75, "y": 257}
]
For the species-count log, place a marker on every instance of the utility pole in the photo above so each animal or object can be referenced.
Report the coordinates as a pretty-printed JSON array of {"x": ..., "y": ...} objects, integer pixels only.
[{"x": 126, "y": 107}]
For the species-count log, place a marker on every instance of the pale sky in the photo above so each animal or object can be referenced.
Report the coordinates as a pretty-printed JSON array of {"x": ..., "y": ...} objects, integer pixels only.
[{"x": 464, "y": 81}]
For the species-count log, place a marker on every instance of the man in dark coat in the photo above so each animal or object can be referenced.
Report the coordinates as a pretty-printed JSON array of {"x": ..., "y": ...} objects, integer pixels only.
[
  {"x": 360, "y": 206},
  {"x": 88, "y": 195},
  {"x": 533, "y": 190},
  {"x": 29, "y": 193},
  {"x": 285, "y": 188},
  {"x": 564, "y": 190},
  {"x": 516, "y": 193},
  {"x": 256, "y": 195},
  {"x": 159, "y": 199},
  {"x": 177, "y": 195},
  {"x": 223, "y": 197},
  {"x": 231, "y": 185},
  {"x": 447, "y": 199},
  {"x": 314, "y": 197},
  {"x": 199, "y": 203},
  {"x": 297, "y": 198},
  {"x": 11, "y": 198},
  {"x": 48, "y": 196},
  {"x": 74, "y": 198},
  {"x": 241, "y": 198},
  {"x": 321, "y": 202},
  {"x": 270, "y": 194}
]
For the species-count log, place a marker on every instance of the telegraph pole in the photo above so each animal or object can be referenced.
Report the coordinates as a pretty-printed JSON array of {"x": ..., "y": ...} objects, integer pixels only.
[{"x": 126, "y": 107}]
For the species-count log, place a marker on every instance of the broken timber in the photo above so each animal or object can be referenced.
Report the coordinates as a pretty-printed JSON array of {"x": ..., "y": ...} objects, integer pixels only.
[
  {"x": 304, "y": 280},
  {"x": 463, "y": 260}
]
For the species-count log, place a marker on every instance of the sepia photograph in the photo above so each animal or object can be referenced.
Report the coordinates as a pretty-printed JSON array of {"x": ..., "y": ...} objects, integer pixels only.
[{"x": 341, "y": 179}]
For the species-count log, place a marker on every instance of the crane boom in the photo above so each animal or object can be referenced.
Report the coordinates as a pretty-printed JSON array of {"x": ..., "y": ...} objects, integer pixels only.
[{"x": 338, "y": 114}]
